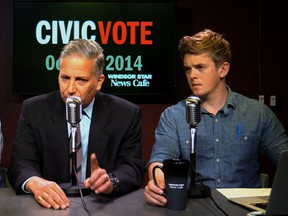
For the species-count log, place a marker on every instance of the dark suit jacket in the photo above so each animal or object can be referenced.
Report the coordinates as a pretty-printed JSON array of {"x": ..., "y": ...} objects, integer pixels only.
[{"x": 41, "y": 147}]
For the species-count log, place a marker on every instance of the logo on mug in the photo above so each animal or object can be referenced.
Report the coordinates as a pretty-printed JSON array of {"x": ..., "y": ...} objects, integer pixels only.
[{"x": 176, "y": 186}]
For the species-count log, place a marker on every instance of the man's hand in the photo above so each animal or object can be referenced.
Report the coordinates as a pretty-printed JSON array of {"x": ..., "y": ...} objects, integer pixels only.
[
  {"x": 99, "y": 180},
  {"x": 153, "y": 194},
  {"x": 47, "y": 193}
]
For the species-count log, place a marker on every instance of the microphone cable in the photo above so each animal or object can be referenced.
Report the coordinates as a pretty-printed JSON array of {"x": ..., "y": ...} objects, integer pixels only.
[
  {"x": 210, "y": 196},
  {"x": 81, "y": 194}
]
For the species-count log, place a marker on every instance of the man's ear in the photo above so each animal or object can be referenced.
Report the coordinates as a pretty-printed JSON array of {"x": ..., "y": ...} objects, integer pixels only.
[
  {"x": 224, "y": 69},
  {"x": 100, "y": 82}
]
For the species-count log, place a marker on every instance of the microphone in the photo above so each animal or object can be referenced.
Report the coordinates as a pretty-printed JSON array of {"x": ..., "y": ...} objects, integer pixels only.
[
  {"x": 193, "y": 118},
  {"x": 73, "y": 117},
  {"x": 74, "y": 110},
  {"x": 193, "y": 111}
]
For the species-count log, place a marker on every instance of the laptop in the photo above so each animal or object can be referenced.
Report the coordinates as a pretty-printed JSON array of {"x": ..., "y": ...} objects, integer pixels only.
[{"x": 277, "y": 202}]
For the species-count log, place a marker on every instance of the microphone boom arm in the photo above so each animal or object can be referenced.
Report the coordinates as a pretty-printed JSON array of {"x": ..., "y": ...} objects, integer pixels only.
[
  {"x": 193, "y": 139},
  {"x": 73, "y": 138},
  {"x": 193, "y": 156},
  {"x": 73, "y": 141}
]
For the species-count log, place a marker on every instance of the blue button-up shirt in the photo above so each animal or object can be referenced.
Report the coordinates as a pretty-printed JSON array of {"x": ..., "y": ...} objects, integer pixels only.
[{"x": 228, "y": 144}]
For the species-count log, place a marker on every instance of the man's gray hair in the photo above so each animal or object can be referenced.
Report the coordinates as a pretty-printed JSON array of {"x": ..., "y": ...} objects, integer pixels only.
[{"x": 87, "y": 48}]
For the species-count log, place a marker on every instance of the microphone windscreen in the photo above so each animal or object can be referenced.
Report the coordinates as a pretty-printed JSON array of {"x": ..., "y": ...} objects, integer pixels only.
[{"x": 73, "y": 110}]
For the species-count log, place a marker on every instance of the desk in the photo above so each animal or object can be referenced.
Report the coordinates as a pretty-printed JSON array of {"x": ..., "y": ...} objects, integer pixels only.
[{"x": 132, "y": 204}]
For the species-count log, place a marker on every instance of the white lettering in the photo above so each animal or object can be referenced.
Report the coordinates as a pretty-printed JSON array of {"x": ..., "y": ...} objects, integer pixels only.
[
  {"x": 121, "y": 76},
  {"x": 120, "y": 83},
  {"x": 64, "y": 32},
  {"x": 73, "y": 30},
  {"x": 39, "y": 29},
  {"x": 138, "y": 83}
]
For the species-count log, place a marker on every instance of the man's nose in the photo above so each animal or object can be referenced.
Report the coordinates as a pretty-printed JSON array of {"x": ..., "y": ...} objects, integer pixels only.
[
  {"x": 72, "y": 87},
  {"x": 193, "y": 73}
]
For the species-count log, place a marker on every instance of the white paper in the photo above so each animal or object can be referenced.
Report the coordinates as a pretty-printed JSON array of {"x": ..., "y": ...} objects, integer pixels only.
[{"x": 244, "y": 192}]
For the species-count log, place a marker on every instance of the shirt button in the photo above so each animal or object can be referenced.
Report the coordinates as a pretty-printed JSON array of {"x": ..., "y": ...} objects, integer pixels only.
[
  {"x": 216, "y": 120},
  {"x": 218, "y": 160},
  {"x": 217, "y": 140},
  {"x": 218, "y": 180}
]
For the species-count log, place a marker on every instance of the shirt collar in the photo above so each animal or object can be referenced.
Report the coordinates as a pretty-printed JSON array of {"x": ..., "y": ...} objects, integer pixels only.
[
  {"x": 89, "y": 108},
  {"x": 230, "y": 103}
]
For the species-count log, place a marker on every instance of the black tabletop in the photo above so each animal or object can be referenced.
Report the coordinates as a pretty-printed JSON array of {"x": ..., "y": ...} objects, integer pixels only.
[{"x": 132, "y": 204}]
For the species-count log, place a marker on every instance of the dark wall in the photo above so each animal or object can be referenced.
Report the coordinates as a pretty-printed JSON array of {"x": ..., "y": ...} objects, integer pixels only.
[
  {"x": 254, "y": 29},
  {"x": 274, "y": 48}
]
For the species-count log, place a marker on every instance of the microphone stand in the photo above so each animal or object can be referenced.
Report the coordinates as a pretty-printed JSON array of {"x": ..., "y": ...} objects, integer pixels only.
[
  {"x": 74, "y": 188},
  {"x": 196, "y": 189}
]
